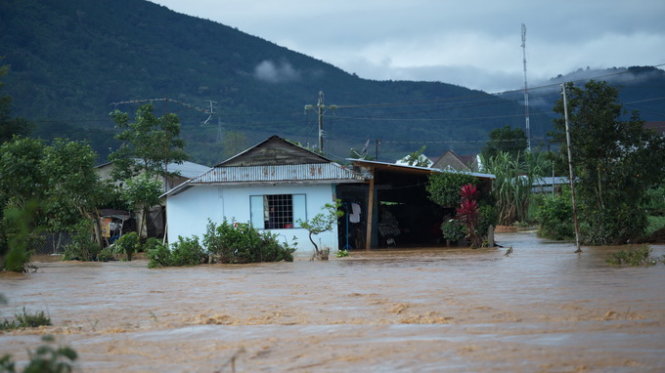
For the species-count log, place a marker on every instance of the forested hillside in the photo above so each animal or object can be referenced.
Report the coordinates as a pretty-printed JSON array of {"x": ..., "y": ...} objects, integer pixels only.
[
  {"x": 641, "y": 88},
  {"x": 71, "y": 60}
]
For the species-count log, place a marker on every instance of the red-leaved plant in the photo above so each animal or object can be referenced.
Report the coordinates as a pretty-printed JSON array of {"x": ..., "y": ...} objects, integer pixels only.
[{"x": 467, "y": 212}]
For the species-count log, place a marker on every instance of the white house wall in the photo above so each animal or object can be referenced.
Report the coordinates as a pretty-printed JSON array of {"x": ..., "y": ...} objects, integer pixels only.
[{"x": 188, "y": 212}]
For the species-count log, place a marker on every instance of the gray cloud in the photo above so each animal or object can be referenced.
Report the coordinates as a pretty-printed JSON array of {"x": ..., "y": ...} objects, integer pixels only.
[
  {"x": 271, "y": 72},
  {"x": 475, "y": 43}
]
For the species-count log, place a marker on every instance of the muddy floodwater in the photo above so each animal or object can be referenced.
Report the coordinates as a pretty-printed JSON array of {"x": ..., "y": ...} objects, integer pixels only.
[{"x": 540, "y": 309}]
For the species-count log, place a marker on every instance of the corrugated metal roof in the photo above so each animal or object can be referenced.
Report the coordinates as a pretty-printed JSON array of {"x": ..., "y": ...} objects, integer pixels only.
[
  {"x": 277, "y": 173},
  {"x": 302, "y": 173},
  {"x": 387, "y": 165},
  {"x": 187, "y": 169}
]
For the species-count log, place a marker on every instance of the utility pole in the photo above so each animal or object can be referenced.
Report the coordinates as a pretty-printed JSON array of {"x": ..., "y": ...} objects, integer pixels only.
[
  {"x": 320, "y": 111},
  {"x": 526, "y": 91},
  {"x": 570, "y": 170}
]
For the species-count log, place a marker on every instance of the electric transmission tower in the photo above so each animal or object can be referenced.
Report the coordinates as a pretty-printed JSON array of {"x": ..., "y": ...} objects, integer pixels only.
[{"x": 526, "y": 91}]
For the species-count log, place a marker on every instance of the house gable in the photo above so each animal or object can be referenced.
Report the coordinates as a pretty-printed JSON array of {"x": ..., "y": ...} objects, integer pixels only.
[
  {"x": 274, "y": 151},
  {"x": 450, "y": 160}
]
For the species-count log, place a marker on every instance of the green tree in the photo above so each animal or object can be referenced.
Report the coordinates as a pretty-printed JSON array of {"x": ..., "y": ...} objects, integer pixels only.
[
  {"x": 322, "y": 222},
  {"x": 74, "y": 190},
  {"x": 58, "y": 179},
  {"x": 149, "y": 143},
  {"x": 443, "y": 187},
  {"x": 21, "y": 183},
  {"x": 505, "y": 139},
  {"x": 10, "y": 127},
  {"x": 616, "y": 161},
  {"x": 22, "y": 179},
  {"x": 141, "y": 193}
]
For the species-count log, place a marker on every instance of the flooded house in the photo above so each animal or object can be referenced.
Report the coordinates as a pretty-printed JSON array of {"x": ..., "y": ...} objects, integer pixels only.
[
  {"x": 273, "y": 185},
  {"x": 276, "y": 184}
]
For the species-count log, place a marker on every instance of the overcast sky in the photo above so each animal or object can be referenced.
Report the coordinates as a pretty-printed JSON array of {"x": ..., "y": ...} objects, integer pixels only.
[{"x": 472, "y": 43}]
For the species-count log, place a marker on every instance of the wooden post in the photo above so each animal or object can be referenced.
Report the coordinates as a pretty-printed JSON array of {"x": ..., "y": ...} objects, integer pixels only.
[{"x": 370, "y": 212}]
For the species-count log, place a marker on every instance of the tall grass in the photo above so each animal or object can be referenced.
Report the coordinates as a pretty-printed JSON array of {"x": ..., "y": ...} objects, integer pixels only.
[{"x": 26, "y": 320}]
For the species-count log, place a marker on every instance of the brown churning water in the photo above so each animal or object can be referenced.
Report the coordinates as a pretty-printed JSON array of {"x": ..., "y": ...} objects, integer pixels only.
[{"x": 542, "y": 308}]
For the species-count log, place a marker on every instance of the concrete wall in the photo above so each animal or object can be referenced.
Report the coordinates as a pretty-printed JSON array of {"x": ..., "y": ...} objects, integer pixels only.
[{"x": 187, "y": 213}]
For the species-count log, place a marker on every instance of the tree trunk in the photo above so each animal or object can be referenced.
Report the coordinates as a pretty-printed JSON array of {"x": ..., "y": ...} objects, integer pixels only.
[{"x": 314, "y": 243}]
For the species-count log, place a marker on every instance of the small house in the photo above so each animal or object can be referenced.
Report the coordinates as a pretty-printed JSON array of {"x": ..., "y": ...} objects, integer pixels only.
[{"x": 273, "y": 185}]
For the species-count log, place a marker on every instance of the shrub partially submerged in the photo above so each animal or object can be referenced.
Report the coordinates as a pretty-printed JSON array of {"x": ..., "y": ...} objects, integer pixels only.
[
  {"x": 636, "y": 257},
  {"x": 224, "y": 243},
  {"x": 242, "y": 243},
  {"x": 186, "y": 251},
  {"x": 26, "y": 320}
]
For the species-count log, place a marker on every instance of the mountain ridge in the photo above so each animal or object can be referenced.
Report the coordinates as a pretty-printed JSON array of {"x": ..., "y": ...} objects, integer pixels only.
[{"x": 74, "y": 61}]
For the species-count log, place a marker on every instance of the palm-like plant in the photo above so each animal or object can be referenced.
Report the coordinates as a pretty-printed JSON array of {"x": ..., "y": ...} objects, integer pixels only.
[{"x": 515, "y": 176}]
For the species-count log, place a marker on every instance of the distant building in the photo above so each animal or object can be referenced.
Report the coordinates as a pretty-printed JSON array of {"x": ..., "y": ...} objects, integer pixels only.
[
  {"x": 549, "y": 184},
  {"x": 181, "y": 172},
  {"x": 452, "y": 161}
]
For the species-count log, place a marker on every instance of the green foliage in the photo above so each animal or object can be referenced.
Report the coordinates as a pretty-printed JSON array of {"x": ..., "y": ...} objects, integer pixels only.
[
  {"x": 159, "y": 255},
  {"x": 107, "y": 254},
  {"x": 18, "y": 225},
  {"x": 187, "y": 251},
  {"x": 26, "y": 320},
  {"x": 128, "y": 244},
  {"x": 634, "y": 257},
  {"x": 487, "y": 217},
  {"x": 60, "y": 179},
  {"x": 242, "y": 243},
  {"x": 554, "y": 214},
  {"x": 342, "y": 253},
  {"x": 616, "y": 161},
  {"x": 443, "y": 188},
  {"x": 505, "y": 140},
  {"x": 149, "y": 143},
  {"x": 654, "y": 201},
  {"x": 22, "y": 177},
  {"x": 452, "y": 230},
  {"x": 515, "y": 175},
  {"x": 150, "y": 244},
  {"x": 83, "y": 246},
  {"x": 323, "y": 221},
  {"x": 655, "y": 223},
  {"x": 45, "y": 359},
  {"x": 184, "y": 252},
  {"x": 140, "y": 193}
]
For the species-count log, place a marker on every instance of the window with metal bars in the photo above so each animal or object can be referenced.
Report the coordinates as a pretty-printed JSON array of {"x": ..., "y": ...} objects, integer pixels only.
[{"x": 277, "y": 211}]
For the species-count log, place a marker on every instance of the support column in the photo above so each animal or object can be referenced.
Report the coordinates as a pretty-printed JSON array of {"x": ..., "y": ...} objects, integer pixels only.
[{"x": 370, "y": 213}]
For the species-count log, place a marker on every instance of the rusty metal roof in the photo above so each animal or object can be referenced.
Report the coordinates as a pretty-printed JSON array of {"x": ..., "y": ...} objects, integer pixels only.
[
  {"x": 293, "y": 174},
  {"x": 413, "y": 169}
]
